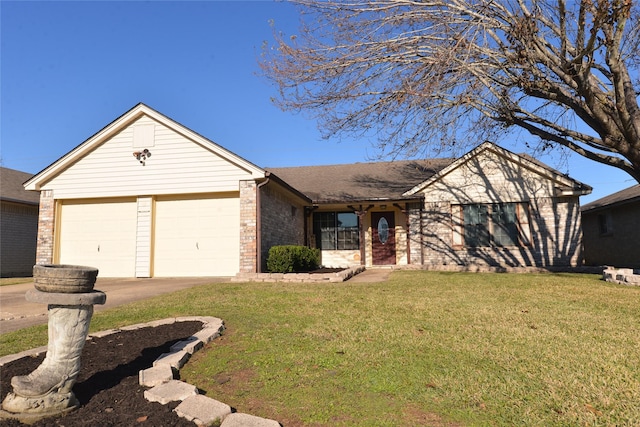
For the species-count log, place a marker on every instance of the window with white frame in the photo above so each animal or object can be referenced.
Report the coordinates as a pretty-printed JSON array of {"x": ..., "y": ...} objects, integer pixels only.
[{"x": 491, "y": 224}]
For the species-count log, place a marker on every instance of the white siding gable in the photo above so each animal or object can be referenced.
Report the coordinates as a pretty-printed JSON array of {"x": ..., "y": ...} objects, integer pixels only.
[{"x": 177, "y": 165}]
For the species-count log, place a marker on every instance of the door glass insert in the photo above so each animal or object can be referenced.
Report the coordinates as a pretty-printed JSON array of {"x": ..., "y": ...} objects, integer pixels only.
[{"x": 383, "y": 230}]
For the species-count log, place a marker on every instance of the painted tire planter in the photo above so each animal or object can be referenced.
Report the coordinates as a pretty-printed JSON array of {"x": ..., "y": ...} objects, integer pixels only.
[{"x": 70, "y": 279}]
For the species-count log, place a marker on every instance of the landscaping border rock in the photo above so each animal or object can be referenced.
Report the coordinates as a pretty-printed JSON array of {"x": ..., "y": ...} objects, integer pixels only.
[
  {"x": 337, "y": 277},
  {"x": 161, "y": 377},
  {"x": 623, "y": 276}
]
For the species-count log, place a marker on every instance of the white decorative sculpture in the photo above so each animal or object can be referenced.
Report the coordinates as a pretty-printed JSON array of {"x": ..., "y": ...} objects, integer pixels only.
[{"x": 68, "y": 291}]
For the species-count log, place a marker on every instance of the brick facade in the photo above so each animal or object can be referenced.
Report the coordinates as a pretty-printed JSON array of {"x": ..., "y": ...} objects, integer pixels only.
[
  {"x": 46, "y": 228},
  {"x": 248, "y": 227},
  {"x": 281, "y": 222},
  {"x": 555, "y": 238},
  {"x": 415, "y": 236},
  {"x": 619, "y": 245},
  {"x": 557, "y": 226},
  {"x": 282, "y": 219}
]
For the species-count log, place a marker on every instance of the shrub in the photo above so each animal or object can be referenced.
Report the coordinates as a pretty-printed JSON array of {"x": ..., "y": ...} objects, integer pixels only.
[{"x": 290, "y": 258}]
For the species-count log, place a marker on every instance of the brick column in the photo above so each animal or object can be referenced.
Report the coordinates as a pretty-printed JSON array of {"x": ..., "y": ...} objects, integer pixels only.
[
  {"x": 46, "y": 221},
  {"x": 248, "y": 227}
]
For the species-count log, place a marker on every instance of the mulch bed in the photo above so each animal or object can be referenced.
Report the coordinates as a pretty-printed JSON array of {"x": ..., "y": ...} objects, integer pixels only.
[
  {"x": 107, "y": 386},
  {"x": 324, "y": 270}
]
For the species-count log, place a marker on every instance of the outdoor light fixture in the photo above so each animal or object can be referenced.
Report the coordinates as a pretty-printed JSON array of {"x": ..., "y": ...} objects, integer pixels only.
[{"x": 142, "y": 156}]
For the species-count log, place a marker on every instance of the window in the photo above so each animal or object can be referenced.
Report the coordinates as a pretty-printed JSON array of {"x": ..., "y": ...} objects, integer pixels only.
[
  {"x": 476, "y": 225},
  {"x": 604, "y": 223},
  {"x": 497, "y": 224},
  {"x": 336, "y": 230},
  {"x": 505, "y": 230}
]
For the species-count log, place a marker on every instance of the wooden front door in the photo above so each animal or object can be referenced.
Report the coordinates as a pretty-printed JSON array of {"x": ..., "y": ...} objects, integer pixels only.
[{"x": 384, "y": 238}]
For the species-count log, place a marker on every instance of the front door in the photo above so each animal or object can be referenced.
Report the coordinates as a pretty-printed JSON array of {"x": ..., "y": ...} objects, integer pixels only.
[{"x": 384, "y": 238}]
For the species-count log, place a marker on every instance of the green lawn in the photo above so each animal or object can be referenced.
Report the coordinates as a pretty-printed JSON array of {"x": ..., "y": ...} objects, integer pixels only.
[
  {"x": 423, "y": 348},
  {"x": 14, "y": 280}
]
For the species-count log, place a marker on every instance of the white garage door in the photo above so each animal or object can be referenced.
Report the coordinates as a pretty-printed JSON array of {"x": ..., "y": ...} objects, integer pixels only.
[
  {"x": 99, "y": 233},
  {"x": 197, "y": 237}
]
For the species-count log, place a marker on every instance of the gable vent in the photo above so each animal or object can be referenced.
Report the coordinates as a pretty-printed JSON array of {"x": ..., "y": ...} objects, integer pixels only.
[{"x": 144, "y": 136}]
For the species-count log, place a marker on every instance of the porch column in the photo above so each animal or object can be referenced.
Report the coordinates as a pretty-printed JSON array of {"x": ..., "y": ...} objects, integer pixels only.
[
  {"x": 407, "y": 228},
  {"x": 248, "y": 227},
  {"x": 361, "y": 213}
]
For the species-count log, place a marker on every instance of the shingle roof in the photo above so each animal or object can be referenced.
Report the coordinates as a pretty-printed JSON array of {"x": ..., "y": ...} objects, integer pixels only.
[
  {"x": 11, "y": 188},
  {"x": 628, "y": 195},
  {"x": 360, "y": 181}
]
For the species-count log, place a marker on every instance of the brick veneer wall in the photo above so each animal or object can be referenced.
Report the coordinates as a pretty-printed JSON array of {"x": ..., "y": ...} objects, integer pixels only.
[
  {"x": 621, "y": 246},
  {"x": 415, "y": 237},
  {"x": 282, "y": 219},
  {"x": 555, "y": 233},
  {"x": 248, "y": 227},
  {"x": 46, "y": 228},
  {"x": 18, "y": 234}
]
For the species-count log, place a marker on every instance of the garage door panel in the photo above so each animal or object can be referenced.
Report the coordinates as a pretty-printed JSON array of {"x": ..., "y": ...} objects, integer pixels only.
[
  {"x": 99, "y": 234},
  {"x": 197, "y": 237}
]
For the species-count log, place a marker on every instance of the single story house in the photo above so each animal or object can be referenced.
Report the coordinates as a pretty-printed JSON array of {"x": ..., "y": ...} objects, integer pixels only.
[
  {"x": 146, "y": 196},
  {"x": 612, "y": 231},
  {"x": 18, "y": 224}
]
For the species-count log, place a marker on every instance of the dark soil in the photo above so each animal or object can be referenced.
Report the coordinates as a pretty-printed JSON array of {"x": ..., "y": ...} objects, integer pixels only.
[
  {"x": 107, "y": 387},
  {"x": 323, "y": 270}
]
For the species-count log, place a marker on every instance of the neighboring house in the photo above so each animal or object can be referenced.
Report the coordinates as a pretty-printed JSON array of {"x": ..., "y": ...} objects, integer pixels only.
[
  {"x": 18, "y": 224},
  {"x": 612, "y": 229},
  {"x": 147, "y": 197}
]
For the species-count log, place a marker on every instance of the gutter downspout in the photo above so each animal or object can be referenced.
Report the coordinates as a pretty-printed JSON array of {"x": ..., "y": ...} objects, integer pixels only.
[{"x": 259, "y": 225}]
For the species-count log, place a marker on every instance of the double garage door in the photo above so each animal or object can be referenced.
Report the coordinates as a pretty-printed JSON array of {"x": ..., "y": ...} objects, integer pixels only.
[{"x": 165, "y": 237}]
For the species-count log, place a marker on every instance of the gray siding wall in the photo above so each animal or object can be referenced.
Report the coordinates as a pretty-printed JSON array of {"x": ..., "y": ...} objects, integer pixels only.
[{"x": 18, "y": 237}]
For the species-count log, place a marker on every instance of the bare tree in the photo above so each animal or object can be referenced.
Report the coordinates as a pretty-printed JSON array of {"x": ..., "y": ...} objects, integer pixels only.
[{"x": 435, "y": 74}]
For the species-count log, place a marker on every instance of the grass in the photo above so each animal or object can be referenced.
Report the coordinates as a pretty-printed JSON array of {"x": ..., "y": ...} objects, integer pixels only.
[
  {"x": 14, "y": 280},
  {"x": 423, "y": 348}
]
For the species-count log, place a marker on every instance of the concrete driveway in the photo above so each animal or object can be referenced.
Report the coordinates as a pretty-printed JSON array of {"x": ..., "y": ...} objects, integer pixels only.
[{"x": 16, "y": 312}]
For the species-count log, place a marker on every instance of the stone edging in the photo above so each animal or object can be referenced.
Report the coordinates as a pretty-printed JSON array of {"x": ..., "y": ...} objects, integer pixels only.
[
  {"x": 340, "y": 276},
  {"x": 623, "y": 276},
  {"x": 163, "y": 388}
]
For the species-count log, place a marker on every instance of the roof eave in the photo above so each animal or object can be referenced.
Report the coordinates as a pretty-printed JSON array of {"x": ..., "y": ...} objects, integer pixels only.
[
  {"x": 596, "y": 208},
  {"x": 567, "y": 192},
  {"x": 17, "y": 201},
  {"x": 280, "y": 181},
  {"x": 376, "y": 200}
]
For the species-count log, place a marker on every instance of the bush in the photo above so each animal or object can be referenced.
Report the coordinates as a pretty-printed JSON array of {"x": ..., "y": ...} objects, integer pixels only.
[{"x": 290, "y": 259}]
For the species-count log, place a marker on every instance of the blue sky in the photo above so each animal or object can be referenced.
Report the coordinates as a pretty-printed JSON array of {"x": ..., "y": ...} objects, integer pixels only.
[{"x": 67, "y": 69}]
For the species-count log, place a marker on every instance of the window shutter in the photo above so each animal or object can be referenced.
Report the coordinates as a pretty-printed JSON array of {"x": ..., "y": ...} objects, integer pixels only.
[
  {"x": 457, "y": 225},
  {"x": 524, "y": 224}
]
